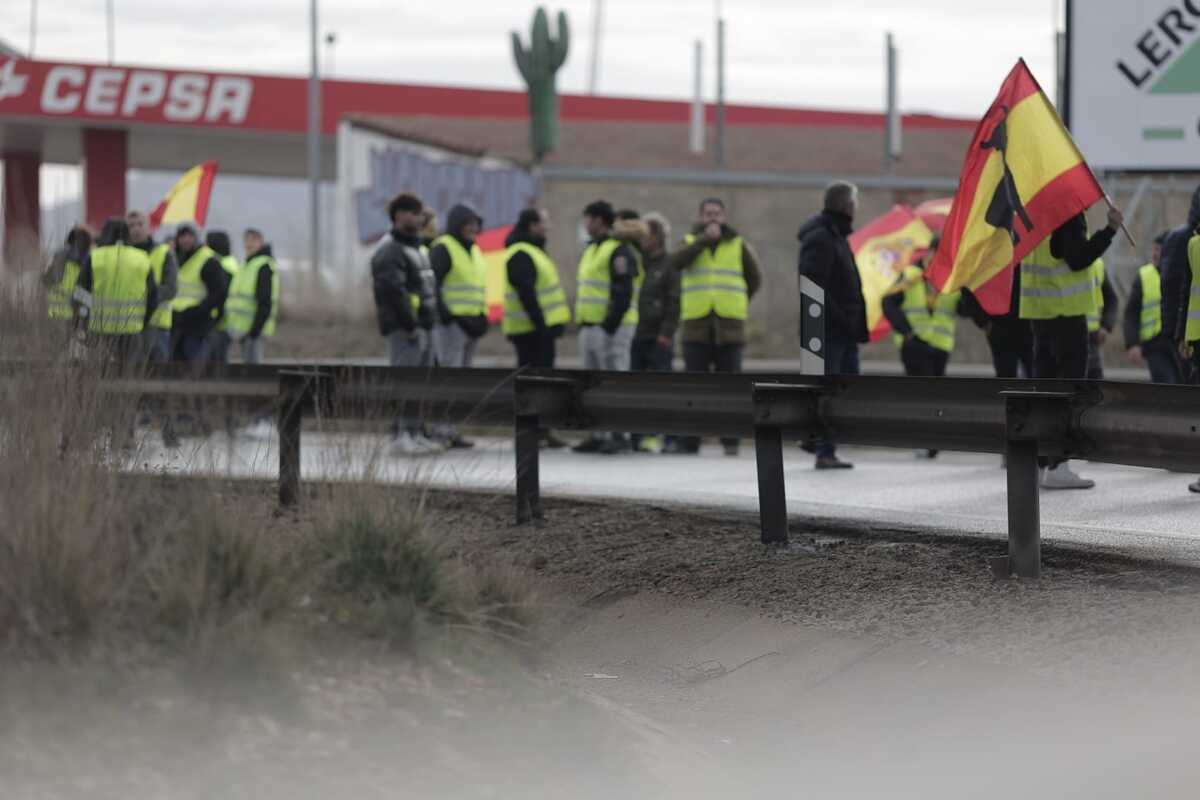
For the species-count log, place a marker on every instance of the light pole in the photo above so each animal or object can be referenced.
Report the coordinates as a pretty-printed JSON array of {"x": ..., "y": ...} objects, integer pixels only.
[{"x": 314, "y": 145}]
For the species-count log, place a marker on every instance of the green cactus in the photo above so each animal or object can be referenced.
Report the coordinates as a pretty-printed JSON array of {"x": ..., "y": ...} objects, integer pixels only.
[{"x": 538, "y": 65}]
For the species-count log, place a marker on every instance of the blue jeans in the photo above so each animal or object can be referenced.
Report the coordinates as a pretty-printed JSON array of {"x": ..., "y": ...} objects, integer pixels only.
[{"x": 841, "y": 358}]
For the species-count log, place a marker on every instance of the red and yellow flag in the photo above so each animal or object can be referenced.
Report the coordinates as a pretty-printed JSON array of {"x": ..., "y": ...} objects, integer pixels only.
[
  {"x": 187, "y": 200},
  {"x": 1023, "y": 177},
  {"x": 491, "y": 242},
  {"x": 882, "y": 249}
]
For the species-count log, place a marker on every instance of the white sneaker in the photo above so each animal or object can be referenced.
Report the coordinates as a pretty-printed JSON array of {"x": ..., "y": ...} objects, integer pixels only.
[
  {"x": 260, "y": 430},
  {"x": 406, "y": 445},
  {"x": 1062, "y": 477},
  {"x": 430, "y": 446}
]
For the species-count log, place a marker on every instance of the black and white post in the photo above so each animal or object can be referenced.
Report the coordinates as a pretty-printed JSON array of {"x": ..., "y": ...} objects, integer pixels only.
[{"x": 812, "y": 328}]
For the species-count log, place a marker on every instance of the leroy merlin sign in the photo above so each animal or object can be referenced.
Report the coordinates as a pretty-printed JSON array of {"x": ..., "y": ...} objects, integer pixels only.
[{"x": 1134, "y": 88}]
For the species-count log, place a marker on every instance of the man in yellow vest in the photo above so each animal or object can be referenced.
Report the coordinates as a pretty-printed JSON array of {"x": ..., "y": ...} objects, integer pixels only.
[
  {"x": 461, "y": 273},
  {"x": 1147, "y": 340},
  {"x": 718, "y": 275},
  {"x": 535, "y": 305},
  {"x": 62, "y": 273},
  {"x": 115, "y": 294},
  {"x": 1101, "y": 321},
  {"x": 166, "y": 271},
  {"x": 1057, "y": 295},
  {"x": 1190, "y": 345},
  {"x": 202, "y": 286},
  {"x": 605, "y": 308}
]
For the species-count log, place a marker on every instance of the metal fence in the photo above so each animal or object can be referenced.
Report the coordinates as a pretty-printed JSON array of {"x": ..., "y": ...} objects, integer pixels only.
[{"x": 1026, "y": 420}]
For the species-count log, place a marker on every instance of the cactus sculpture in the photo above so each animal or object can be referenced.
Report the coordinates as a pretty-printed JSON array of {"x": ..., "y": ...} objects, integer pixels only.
[{"x": 538, "y": 65}]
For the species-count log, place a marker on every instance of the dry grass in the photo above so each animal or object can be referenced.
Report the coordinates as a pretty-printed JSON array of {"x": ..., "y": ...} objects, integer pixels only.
[{"x": 96, "y": 563}]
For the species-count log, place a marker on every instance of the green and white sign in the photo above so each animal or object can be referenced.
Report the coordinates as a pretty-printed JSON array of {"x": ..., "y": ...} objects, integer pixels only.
[{"x": 1135, "y": 83}]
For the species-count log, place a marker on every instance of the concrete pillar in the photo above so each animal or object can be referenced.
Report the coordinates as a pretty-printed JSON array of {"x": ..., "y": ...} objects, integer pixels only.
[
  {"x": 22, "y": 207},
  {"x": 104, "y": 162}
]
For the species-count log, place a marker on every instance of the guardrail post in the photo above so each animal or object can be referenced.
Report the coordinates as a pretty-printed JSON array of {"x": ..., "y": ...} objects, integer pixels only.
[
  {"x": 292, "y": 390},
  {"x": 776, "y": 406},
  {"x": 529, "y": 500},
  {"x": 1036, "y": 423}
]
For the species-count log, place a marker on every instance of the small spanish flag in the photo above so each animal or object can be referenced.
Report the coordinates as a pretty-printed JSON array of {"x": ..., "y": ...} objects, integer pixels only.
[
  {"x": 187, "y": 200},
  {"x": 882, "y": 249},
  {"x": 1023, "y": 177},
  {"x": 491, "y": 242}
]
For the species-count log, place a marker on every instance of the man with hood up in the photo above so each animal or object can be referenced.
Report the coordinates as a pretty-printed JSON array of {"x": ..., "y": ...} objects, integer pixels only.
[
  {"x": 461, "y": 273},
  {"x": 718, "y": 275}
]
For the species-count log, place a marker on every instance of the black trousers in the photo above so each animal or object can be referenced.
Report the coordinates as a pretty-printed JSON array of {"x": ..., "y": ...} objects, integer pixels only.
[
  {"x": 534, "y": 350},
  {"x": 1011, "y": 343},
  {"x": 705, "y": 357},
  {"x": 1060, "y": 350},
  {"x": 922, "y": 360},
  {"x": 646, "y": 356},
  {"x": 1163, "y": 361}
]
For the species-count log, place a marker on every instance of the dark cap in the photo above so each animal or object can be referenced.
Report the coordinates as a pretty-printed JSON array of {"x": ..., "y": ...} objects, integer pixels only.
[
  {"x": 186, "y": 227},
  {"x": 601, "y": 209}
]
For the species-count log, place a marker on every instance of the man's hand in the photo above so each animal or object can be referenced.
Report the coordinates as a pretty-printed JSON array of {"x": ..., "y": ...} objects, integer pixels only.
[
  {"x": 666, "y": 343},
  {"x": 1101, "y": 336},
  {"x": 1185, "y": 350},
  {"x": 712, "y": 233},
  {"x": 1115, "y": 218},
  {"x": 1135, "y": 355}
]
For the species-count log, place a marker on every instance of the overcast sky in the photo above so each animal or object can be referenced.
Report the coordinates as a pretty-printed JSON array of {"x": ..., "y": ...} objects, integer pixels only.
[{"x": 818, "y": 53}]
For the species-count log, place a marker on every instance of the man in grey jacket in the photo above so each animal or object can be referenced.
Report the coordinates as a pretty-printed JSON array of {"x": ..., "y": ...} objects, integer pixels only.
[{"x": 405, "y": 301}]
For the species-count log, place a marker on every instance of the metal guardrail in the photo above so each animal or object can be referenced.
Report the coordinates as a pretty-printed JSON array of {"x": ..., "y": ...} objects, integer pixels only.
[{"x": 1119, "y": 423}]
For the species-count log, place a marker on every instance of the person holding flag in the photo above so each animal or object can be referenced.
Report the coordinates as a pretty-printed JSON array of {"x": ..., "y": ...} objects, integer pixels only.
[{"x": 1021, "y": 199}]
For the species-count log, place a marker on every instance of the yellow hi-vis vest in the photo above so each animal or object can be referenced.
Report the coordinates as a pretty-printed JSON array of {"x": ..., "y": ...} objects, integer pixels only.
[
  {"x": 161, "y": 318},
  {"x": 191, "y": 290},
  {"x": 1151, "y": 321},
  {"x": 231, "y": 267},
  {"x": 550, "y": 295},
  {"x": 242, "y": 305},
  {"x": 595, "y": 285},
  {"x": 715, "y": 282},
  {"x": 934, "y": 323},
  {"x": 119, "y": 273},
  {"x": 1193, "y": 317},
  {"x": 1093, "y": 317},
  {"x": 1050, "y": 288},
  {"x": 58, "y": 297},
  {"x": 464, "y": 289}
]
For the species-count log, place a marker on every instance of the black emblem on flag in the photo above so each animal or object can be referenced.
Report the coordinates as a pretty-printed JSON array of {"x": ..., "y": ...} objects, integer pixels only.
[{"x": 1006, "y": 202}]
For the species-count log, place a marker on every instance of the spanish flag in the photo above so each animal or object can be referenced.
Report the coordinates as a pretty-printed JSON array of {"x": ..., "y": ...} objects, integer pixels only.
[
  {"x": 187, "y": 200},
  {"x": 491, "y": 242},
  {"x": 1023, "y": 177},
  {"x": 882, "y": 249}
]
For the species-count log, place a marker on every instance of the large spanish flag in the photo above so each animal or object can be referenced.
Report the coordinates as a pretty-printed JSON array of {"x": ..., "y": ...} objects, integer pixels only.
[
  {"x": 187, "y": 200},
  {"x": 491, "y": 242},
  {"x": 1023, "y": 177},
  {"x": 882, "y": 249}
]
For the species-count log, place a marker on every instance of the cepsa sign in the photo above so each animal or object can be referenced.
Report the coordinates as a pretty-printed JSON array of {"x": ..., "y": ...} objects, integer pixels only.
[{"x": 130, "y": 94}]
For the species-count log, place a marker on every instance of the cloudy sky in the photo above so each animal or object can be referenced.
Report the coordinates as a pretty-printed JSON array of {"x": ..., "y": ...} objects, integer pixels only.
[{"x": 817, "y": 53}]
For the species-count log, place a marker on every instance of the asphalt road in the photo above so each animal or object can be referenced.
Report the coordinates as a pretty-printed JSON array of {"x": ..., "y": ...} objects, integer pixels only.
[{"x": 1142, "y": 512}]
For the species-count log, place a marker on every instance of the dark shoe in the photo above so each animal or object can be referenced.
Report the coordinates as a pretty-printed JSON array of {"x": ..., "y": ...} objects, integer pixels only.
[
  {"x": 551, "y": 442},
  {"x": 832, "y": 462},
  {"x": 1194, "y": 487},
  {"x": 589, "y": 445},
  {"x": 731, "y": 448},
  {"x": 808, "y": 447},
  {"x": 459, "y": 443},
  {"x": 611, "y": 447}
]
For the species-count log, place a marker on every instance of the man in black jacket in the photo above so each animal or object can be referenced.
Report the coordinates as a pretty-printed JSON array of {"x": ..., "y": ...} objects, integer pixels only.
[
  {"x": 202, "y": 286},
  {"x": 827, "y": 260},
  {"x": 404, "y": 290},
  {"x": 1158, "y": 352}
]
